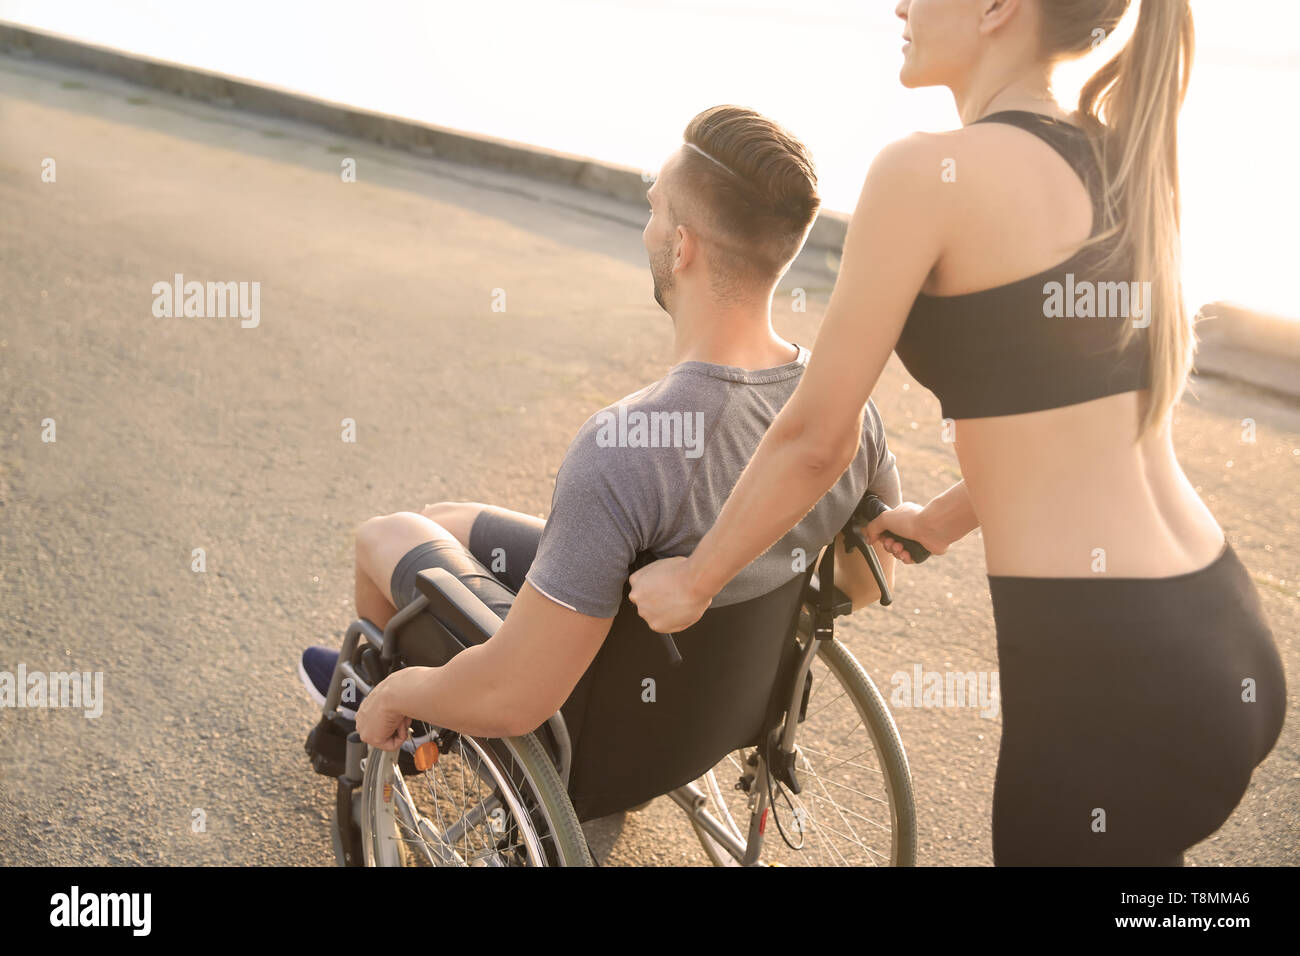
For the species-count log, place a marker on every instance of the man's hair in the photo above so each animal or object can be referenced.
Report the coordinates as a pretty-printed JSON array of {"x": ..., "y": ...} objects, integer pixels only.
[{"x": 755, "y": 186}]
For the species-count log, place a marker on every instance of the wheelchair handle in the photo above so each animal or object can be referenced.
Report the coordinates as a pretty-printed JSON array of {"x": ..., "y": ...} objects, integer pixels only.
[
  {"x": 870, "y": 508},
  {"x": 670, "y": 648},
  {"x": 641, "y": 559}
]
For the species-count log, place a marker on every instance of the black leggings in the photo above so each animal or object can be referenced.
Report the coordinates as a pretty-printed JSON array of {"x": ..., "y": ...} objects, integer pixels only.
[{"x": 1129, "y": 732}]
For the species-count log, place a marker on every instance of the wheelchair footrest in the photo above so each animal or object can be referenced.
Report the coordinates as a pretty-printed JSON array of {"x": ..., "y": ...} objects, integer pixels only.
[{"x": 327, "y": 745}]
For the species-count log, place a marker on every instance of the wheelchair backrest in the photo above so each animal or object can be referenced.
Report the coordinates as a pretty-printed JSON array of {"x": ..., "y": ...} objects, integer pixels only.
[{"x": 641, "y": 727}]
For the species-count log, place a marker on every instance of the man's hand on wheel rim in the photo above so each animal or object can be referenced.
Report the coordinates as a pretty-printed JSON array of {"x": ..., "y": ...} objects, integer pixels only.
[{"x": 378, "y": 724}]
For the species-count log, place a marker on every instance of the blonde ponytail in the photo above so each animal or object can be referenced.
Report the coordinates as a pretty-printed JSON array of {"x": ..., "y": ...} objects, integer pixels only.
[{"x": 1135, "y": 100}]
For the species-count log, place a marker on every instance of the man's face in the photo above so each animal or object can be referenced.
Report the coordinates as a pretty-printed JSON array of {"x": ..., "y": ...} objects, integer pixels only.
[{"x": 659, "y": 236}]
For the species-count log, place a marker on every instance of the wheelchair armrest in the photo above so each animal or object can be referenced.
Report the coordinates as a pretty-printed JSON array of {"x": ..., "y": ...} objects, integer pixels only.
[{"x": 456, "y": 605}]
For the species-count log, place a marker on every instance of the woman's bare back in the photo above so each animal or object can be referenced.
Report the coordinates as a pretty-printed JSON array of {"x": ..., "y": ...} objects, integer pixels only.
[{"x": 1063, "y": 492}]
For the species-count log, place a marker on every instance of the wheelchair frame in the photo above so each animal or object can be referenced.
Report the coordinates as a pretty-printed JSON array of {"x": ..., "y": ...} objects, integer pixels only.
[{"x": 774, "y": 757}]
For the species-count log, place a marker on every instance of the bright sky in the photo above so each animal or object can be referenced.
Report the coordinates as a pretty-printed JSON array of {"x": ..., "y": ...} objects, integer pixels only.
[{"x": 618, "y": 80}]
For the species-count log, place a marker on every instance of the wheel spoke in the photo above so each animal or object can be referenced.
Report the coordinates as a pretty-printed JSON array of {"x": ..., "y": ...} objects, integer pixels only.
[
  {"x": 457, "y": 823},
  {"x": 846, "y": 780}
]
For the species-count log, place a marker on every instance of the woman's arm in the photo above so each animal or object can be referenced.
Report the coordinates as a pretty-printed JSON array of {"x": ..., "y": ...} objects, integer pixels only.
[{"x": 894, "y": 239}]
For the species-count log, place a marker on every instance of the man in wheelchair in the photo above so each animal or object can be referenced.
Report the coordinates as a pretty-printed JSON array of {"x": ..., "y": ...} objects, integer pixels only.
[{"x": 729, "y": 211}]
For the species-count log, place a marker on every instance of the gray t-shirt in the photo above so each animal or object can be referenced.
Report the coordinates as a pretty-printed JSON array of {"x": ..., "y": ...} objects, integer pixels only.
[{"x": 652, "y": 472}]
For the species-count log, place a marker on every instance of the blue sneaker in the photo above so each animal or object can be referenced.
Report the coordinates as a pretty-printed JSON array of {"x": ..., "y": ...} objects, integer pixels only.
[{"x": 315, "y": 670}]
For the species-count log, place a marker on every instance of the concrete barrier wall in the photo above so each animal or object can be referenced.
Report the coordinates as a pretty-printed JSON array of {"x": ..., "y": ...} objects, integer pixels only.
[
  {"x": 607, "y": 179},
  {"x": 1263, "y": 350}
]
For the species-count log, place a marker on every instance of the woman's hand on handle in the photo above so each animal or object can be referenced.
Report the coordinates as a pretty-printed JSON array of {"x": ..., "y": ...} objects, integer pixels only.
[
  {"x": 908, "y": 520},
  {"x": 947, "y": 518},
  {"x": 665, "y": 595}
]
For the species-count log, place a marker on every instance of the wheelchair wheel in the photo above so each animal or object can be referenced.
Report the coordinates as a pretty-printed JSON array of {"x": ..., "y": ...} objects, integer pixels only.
[
  {"x": 855, "y": 806},
  {"x": 482, "y": 803}
]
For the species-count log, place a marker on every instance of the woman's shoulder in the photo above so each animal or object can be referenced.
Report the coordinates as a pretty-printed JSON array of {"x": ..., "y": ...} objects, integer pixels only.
[
  {"x": 908, "y": 173},
  {"x": 925, "y": 163},
  {"x": 925, "y": 180},
  {"x": 930, "y": 143},
  {"x": 904, "y": 156},
  {"x": 964, "y": 169}
]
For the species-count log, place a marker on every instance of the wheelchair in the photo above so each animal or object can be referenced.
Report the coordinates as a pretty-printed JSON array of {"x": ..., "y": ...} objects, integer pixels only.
[{"x": 757, "y": 716}]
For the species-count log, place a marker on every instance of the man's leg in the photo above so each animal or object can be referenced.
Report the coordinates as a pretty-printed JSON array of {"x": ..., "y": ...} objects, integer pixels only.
[
  {"x": 381, "y": 543},
  {"x": 488, "y": 548},
  {"x": 392, "y": 549},
  {"x": 502, "y": 540},
  {"x": 455, "y": 516}
]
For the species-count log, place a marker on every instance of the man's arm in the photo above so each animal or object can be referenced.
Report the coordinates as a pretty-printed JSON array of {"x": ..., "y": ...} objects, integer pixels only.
[{"x": 508, "y": 686}]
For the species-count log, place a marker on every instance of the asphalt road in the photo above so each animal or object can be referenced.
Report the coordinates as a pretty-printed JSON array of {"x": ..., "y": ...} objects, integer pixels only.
[{"x": 376, "y": 305}]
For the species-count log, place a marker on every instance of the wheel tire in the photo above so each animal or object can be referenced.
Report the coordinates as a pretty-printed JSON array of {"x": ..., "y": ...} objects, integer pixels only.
[{"x": 889, "y": 745}]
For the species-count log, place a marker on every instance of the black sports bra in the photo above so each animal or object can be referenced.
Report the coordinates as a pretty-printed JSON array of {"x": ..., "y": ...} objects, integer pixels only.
[{"x": 1045, "y": 341}]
